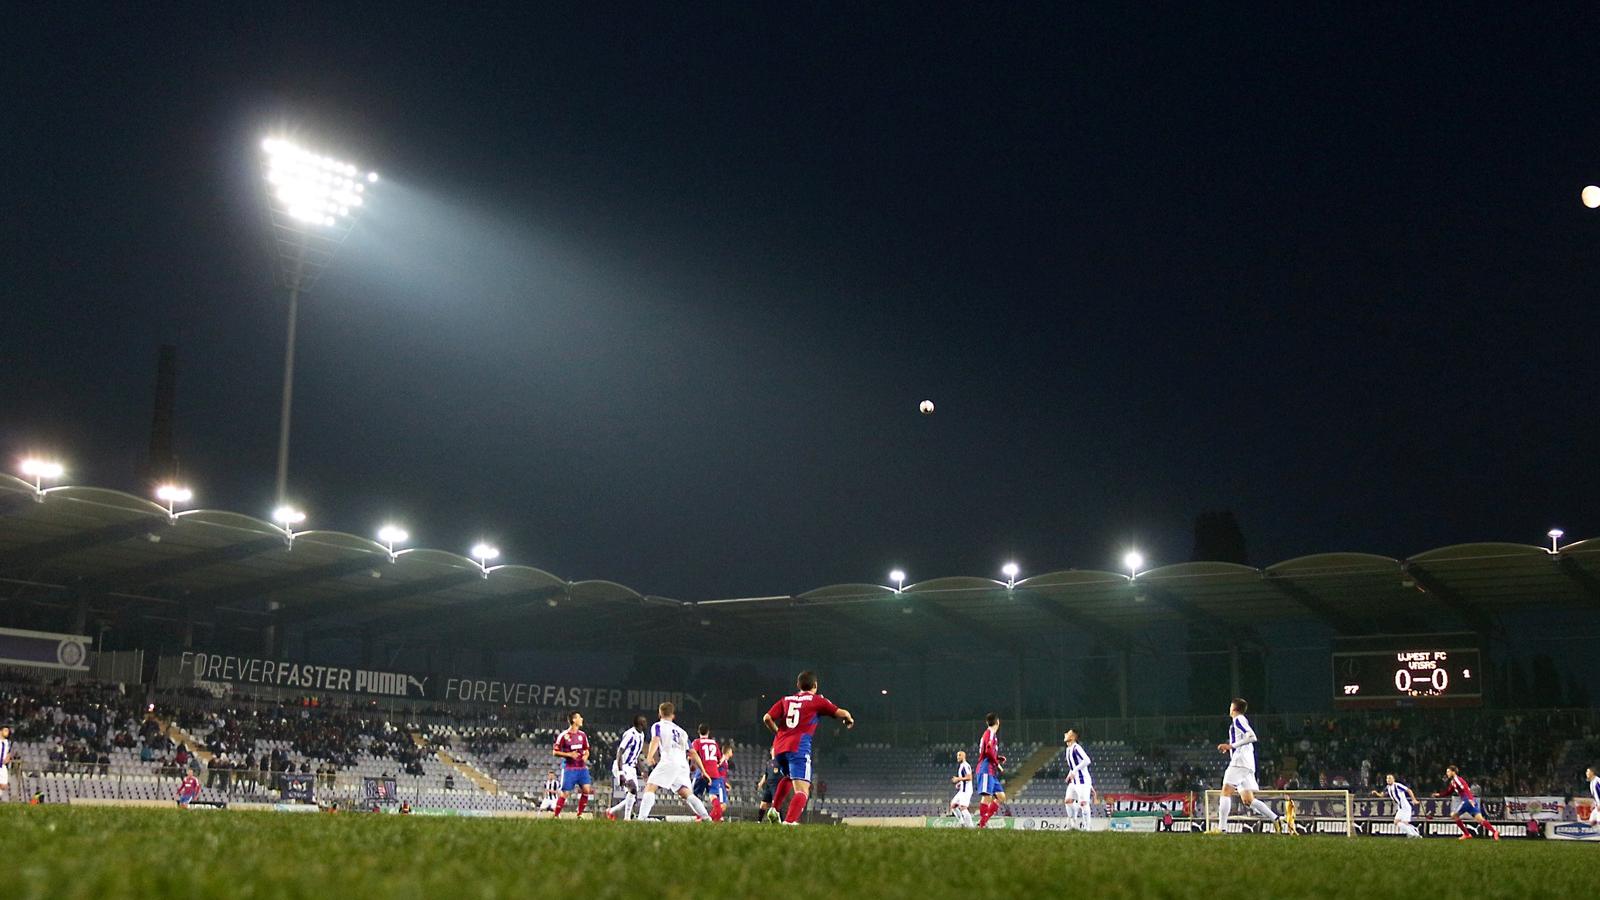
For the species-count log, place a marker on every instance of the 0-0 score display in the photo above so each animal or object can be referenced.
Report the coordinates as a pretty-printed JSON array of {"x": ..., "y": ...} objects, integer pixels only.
[{"x": 1407, "y": 676}]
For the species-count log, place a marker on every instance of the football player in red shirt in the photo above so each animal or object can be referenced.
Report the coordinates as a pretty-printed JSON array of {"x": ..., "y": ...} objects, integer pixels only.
[
  {"x": 573, "y": 746},
  {"x": 793, "y": 720}
]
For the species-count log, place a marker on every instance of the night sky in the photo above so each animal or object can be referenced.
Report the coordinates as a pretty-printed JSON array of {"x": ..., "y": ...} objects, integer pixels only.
[{"x": 652, "y": 295}]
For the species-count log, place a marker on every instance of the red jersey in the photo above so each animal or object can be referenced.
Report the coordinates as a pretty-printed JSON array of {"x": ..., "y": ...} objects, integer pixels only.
[
  {"x": 796, "y": 718},
  {"x": 989, "y": 751},
  {"x": 573, "y": 742},
  {"x": 190, "y": 787},
  {"x": 1458, "y": 787},
  {"x": 710, "y": 754}
]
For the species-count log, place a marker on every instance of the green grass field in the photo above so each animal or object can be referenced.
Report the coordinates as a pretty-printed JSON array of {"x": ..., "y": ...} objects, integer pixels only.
[{"x": 61, "y": 852}]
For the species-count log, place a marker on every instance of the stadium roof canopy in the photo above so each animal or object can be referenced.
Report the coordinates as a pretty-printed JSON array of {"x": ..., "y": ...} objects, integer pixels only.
[{"x": 112, "y": 555}]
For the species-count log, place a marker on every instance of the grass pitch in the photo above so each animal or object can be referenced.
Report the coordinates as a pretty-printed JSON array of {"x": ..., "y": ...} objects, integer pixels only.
[{"x": 62, "y": 852}]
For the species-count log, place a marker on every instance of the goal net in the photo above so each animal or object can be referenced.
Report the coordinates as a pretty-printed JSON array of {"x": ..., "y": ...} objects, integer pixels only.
[{"x": 1307, "y": 812}]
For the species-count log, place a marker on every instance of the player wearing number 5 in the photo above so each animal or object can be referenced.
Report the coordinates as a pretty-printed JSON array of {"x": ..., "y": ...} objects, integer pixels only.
[{"x": 793, "y": 720}]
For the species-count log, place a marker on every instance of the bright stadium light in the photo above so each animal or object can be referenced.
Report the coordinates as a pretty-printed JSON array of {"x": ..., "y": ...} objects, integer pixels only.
[
  {"x": 1591, "y": 196},
  {"x": 41, "y": 470},
  {"x": 1555, "y": 535},
  {"x": 312, "y": 203},
  {"x": 287, "y": 518},
  {"x": 1010, "y": 570},
  {"x": 391, "y": 535},
  {"x": 899, "y": 578},
  {"x": 172, "y": 495},
  {"x": 1134, "y": 561},
  {"x": 483, "y": 553}
]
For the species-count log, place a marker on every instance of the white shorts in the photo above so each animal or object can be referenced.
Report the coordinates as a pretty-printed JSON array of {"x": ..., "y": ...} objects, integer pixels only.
[
  {"x": 1082, "y": 793},
  {"x": 962, "y": 798},
  {"x": 1594, "y": 816},
  {"x": 547, "y": 803},
  {"x": 671, "y": 776},
  {"x": 626, "y": 776},
  {"x": 1240, "y": 778},
  {"x": 5, "y": 776},
  {"x": 1403, "y": 815}
]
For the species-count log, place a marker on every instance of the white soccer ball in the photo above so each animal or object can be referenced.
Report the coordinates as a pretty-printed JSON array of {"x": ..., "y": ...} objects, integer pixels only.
[{"x": 926, "y": 406}]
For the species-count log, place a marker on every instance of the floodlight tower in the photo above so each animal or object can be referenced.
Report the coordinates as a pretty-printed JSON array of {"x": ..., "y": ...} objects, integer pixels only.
[{"x": 312, "y": 203}]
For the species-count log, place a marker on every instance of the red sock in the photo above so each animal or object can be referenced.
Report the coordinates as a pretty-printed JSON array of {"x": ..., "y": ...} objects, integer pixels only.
[
  {"x": 1492, "y": 831},
  {"x": 796, "y": 806},
  {"x": 560, "y": 802},
  {"x": 781, "y": 793},
  {"x": 1463, "y": 826},
  {"x": 583, "y": 801},
  {"x": 716, "y": 809},
  {"x": 985, "y": 811}
]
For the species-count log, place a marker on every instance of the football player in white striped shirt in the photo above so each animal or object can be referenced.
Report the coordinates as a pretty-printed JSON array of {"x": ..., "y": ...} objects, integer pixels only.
[
  {"x": 625, "y": 769},
  {"x": 963, "y": 799},
  {"x": 1594, "y": 797},
  {"x": 5, "y": 764},
  {"x": 672, "y": 742},
  {"x": 1405, "y": 802},
  {"x": 1240, "y": 778},
  {"x": 1080, "y": 787}
]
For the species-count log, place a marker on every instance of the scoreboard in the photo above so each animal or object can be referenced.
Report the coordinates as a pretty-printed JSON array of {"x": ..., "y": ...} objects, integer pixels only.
[{"x": 1419, "y": 672}]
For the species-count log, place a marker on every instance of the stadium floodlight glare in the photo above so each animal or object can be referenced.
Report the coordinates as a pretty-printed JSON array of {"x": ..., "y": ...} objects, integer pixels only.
[
  {"x": 899, "y": 578},
  {"x": 391, "y": 535},
  {"x": 1555, "y": 535},
  {"x": 1010, "y": 570},
  {"x": 312, "y": 202},
  {"x": 41, "y": 470},
  {"x": 1134, "y": 560},
  {"x": 288, "y": 517},
  {"x": 1591, "y": 196},
  {"x": 172, "y": 495},
  {"x": 483, "y": 553}
]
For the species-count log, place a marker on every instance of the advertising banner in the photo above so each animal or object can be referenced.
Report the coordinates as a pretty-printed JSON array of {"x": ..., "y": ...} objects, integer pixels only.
[
  {"x": 44, "y": 649},
  {"x": 1148, "y": 804},
  {"x": 299, "y": 788}
]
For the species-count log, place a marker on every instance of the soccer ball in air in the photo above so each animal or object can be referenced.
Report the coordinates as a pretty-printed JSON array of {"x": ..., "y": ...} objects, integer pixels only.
[{"x": 926, "y": 406}]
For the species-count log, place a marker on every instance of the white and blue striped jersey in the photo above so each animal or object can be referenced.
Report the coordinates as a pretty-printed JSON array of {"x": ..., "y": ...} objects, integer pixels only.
[
  {"x": 1077, "y": 764},
  {"x": 672, "y": 741},
  {"x": 5, "y": 752},
  {"x": 1594, "y": 789},
  {"x": 963, "y": 776},
  {"x": 629, "y": 748},
  {"x": 1401, "y": 795},
  {"x": 1243, "y": 739}
]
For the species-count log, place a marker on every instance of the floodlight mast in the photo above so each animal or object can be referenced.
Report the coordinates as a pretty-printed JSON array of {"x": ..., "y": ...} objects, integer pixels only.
[{"x": 312, "y": 202}]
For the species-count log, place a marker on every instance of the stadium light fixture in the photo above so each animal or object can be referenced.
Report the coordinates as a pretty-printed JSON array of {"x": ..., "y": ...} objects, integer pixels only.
[
  {"x": 172, "y": 495},
  {"x": 1010, "y": 570},
  {"x": 1555, "y": 535},
  {"x": 391, "y": 535},
  {"x": 1591, "y": 196},
  {"x": 898, "y": 576},
  {"x": 287, "y": 518},
  {"x": 1134, "y": 560},
  {"x": 41, "y": 470},
  {"x": 312, "y": 203},
  {"x": 483, "y": 553}
]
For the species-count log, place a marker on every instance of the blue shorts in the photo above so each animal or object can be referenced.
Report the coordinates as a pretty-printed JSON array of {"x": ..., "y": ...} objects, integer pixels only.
[
  {"x": 571, "y": 778},
  {"x": 184, "y": 799},
  {"x": 988, "y": 783},
  {"x": 796, "y": 764},
  {"x": 701, "y": 785},
  {"x": 719, "y": 789},
  {"x": 1469, "y": 808}
]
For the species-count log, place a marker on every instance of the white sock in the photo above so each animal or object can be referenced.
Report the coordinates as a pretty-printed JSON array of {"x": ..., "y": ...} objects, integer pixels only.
[
  {"x": 646, "y": 803},
  {"x": 965, "y": 815},
  {"x": 1084, "y": 815},
  {"x": 1223, "y": 809},
  {"x": 698, "y": 807},
  {"x": 623, "y": 806},
  {"x": 1410, "y": 829},
  {"x": 1260, "y": 808}
]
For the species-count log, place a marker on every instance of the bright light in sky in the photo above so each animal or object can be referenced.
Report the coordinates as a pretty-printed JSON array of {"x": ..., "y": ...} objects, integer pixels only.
[
  {"x": 1133, "y": 561},
  {"x": 1010, "y": 569},
  {"x": 41, "y": 468},
  {"x": 317, "y": 190},
  {"x": 392, "y": 534},
  {"x": 484, "y": 552},
  {"x": 1591, "y": 196},
  {"x": 172, "y": 493},
  {"x": 288, "y": 515}
]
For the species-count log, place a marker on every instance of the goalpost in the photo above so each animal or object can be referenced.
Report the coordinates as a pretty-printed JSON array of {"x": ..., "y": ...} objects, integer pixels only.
[{"x": 1314, "y": 812}]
